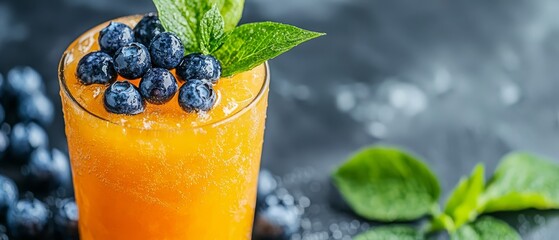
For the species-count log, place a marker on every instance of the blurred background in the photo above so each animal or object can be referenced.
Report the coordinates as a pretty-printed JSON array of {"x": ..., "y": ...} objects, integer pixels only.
[{"x": 458, "y": 82}]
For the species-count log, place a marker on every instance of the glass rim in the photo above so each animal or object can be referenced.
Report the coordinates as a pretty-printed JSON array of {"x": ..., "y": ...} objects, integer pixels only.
[{"x": 64, "y": 88}]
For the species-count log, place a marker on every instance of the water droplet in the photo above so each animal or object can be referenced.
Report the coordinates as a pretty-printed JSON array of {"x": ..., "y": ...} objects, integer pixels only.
[
  {"x": 337, "y": 234},
  {"x": 539, "y": 220},
  {"x": 344, "y": 225},
  {"x": 364, "y": 226},
  {"x": 304, "y": 202},
  {"x": 510, "y": 93},
  {"x": 306, "y": 224},
  {"x": 293, "y": 91},
  {"x": 442, "y": 81},
  {"x": 354, "y": 224},
  {"x": 377, "y": 130},
  {"x": 301, "y": 92},
  {"x": 334, "y": 227},
  {"x": 345, "y": 100},
  {"x": 405, "y": 97}
]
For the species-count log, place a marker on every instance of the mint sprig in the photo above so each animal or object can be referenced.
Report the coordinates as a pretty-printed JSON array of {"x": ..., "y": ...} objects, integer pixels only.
[
  {"x": 523, "y": 181},
  {"x": 212, "y": 31},
  {"x": 210, "y": 27},
  {"x": 182, "y": 17},
  {"x": 250, "y": 45},
  {"x": 404, "y": 186},
  {"x": 463, "y": 204},
  {"x": 372, "y": 181}
]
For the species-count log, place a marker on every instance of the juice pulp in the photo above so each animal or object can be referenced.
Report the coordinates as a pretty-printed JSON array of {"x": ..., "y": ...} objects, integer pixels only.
[{"x": 165, "y": 173}]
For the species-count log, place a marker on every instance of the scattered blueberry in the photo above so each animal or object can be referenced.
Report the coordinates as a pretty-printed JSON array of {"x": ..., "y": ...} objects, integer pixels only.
[
  {"x": 2, "y": 114},
  {"x": 8, "y": 194},
  {"x": 66, "y": 219},
  {"x": 47, "y": 170},
  {"x": 23, "y": 81},
  {"x": 36, "y": 108},
  {"x": 276, "y": 220},
  {"x": 132, "y": 61},
  {"x": 199, "y": 66},
  {"x": 196, "y": 95},
  {"x": 28, "y": 219},
  {"x": 166, "y": 50},
  {"x": 123, "y": 98},
  {"x": 96, "y": 68},
  {"x": 115, "y": 36},
  {"x": 26, "y": 137},
  {"x": 158, "y": 86},
  {"x": 147, "y": 28},
  {"x": 267, "y": 184},
  {"x": 4, "y": 144},
  {"x": 3, "y": 233},
  {"x": 1, "y": 86}
]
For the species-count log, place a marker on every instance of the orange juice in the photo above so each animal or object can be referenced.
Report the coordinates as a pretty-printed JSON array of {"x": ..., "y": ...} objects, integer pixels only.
[{"x": 165, "y": 173}]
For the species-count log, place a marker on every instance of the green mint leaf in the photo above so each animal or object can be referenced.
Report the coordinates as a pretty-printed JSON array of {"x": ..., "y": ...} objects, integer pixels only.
[
  {"x": 250, "y": 45},
  {"x": 441, "y": 222},
  {"x": 486, "y": 228},
  {"x": 232, "y": 11},
  {"x": 462, "y": 205},
  {"x": 391, "y": 233},
  {"x": 387, "y": 184},
  {"x": 523, "y": 181},
  {"x": 182, "y": 17},
  {"x": 212, "y": 33}
]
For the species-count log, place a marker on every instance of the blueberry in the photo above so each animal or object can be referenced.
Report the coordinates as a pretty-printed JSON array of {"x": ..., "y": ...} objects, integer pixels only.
[
  {"x": 96, "y": 68},
  {"x": 1, "y": 88},
  {"x": 123, "y": 98},
  {"x": 199, "y": 66},
  {"x": 23, "y": 81},
  {"x": 26, "y": 137},
  {"x": 158, "y": 86},
  {"x": 66, "y": 219},
  {"x": 147, "y": 28},
  {"x": 47, "y": 170},
  {"x": 36, "y": 108},
  {"x": 28, "y": 219},
  {"x": 3, "y": 233},
  {"x": 196, "y": 95},
  {"x": 277, "y": 219},
  {"x": 132, "y": 61},
  {"x": 166, "y": 50},
  {"x": 115, "y": 36},
  {"x": 8, "y": 194},
  {"x": 266, "y": 184},
  {"x": 2, "y": 113},
  {"x": 4, "y": 144}
]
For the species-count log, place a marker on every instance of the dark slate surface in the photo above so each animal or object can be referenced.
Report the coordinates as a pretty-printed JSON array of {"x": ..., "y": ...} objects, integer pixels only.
[{"x": 457, "y": 82}]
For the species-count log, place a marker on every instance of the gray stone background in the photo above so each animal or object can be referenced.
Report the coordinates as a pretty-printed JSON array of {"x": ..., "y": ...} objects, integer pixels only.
[{"x": 458, "y": 82}]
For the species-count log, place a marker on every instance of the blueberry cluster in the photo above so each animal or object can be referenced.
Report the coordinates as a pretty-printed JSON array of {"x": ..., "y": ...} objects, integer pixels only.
[
  {"x": 28, "y": 167},
  {"x": 277, "y": 216},
  {"x": 149, "y": 53}
]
